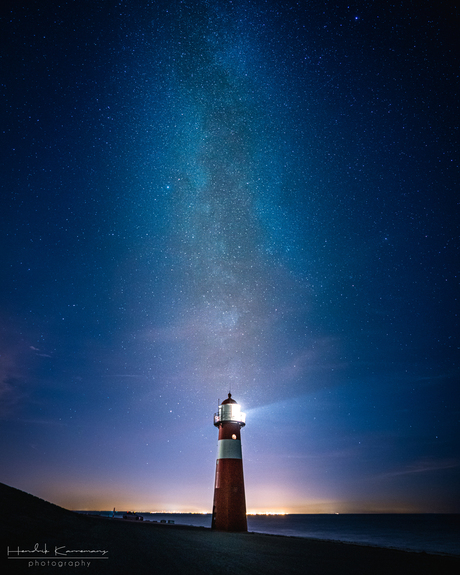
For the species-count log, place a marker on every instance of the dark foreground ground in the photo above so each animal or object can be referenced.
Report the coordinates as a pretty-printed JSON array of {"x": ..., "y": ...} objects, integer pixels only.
[{"x": 143, "y": 547}]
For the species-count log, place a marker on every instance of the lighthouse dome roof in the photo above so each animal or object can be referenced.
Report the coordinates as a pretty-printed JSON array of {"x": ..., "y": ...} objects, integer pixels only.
[{"x": 229, "y": 400}]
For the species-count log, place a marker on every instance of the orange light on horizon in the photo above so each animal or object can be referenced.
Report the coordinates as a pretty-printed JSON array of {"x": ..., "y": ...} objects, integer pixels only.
[{"x": 266, "y": 513}]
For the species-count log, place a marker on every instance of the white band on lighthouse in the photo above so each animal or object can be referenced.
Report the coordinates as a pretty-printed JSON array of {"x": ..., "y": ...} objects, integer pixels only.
[{"x": 229, "y": 449}]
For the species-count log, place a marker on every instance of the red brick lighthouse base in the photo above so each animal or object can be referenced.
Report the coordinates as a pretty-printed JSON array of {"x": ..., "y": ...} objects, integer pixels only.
[{"x": 229, "y": 509}]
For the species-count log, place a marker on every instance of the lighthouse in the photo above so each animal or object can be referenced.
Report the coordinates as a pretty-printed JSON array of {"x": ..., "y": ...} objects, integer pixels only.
[{"x": 229, "y": 509}]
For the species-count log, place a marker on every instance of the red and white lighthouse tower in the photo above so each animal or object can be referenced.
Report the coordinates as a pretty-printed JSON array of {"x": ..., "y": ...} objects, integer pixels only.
[{"x": 229, "y": 509}]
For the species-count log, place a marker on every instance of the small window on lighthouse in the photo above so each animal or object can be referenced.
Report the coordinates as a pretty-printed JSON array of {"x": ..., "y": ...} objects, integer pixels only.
[{"x": 233, "y": 436}]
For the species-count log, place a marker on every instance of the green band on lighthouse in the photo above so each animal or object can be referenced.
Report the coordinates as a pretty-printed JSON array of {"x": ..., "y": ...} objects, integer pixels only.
[{"x": 229, "y": 449}]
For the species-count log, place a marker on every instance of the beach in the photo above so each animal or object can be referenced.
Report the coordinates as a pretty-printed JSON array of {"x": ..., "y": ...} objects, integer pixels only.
[{"x": 116, "y": 546}]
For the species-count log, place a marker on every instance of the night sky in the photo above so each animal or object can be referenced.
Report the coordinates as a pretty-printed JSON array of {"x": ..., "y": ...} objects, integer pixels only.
[{"x": 209, "y": 196}]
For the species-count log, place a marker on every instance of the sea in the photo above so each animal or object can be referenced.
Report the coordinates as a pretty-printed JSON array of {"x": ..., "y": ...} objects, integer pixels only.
[{"x": 429, "y": 533}]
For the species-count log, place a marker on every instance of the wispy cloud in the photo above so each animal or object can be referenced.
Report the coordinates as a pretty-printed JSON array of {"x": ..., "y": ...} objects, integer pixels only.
[
  {"x": 45, "y": 422},
  {"x": 424, "y": 466},
  {"x": 131, "y": 375},
  {"x": 16, "y": 371},
  {"x": 12, "y": 360}
]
